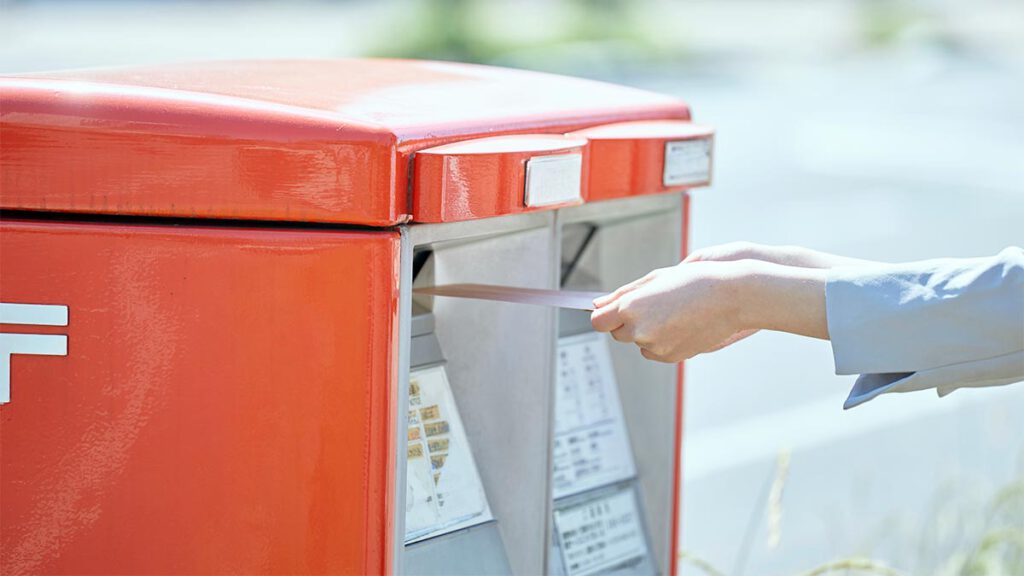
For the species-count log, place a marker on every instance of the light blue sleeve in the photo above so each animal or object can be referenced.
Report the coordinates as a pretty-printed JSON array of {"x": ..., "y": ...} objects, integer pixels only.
[{"x": 940, "y": 324}]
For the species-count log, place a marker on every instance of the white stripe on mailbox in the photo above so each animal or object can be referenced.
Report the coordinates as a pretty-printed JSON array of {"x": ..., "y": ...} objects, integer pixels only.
[
  {"x": 35, "y": 344},
  {"x": 39, "y": 344},
  {"x": 34, "y": 314}
]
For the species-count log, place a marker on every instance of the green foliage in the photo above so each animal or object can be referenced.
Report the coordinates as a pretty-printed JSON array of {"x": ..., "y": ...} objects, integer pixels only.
[
  {"x": 574, "y": 33},
  {"x": 883, "y": 22},
  {"x": 439, "y": 30}
]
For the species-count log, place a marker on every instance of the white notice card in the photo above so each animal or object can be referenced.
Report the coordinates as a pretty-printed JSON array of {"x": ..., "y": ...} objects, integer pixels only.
[
  {"x": 600, "y": 533},
  {"x": 591, "y": 445},
  {"x": 443, "y": 488},
  {"x": 687, "y": 162}
]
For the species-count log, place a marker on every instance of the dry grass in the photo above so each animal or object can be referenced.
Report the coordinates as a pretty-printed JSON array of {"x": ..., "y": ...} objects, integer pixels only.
[{"x": 996, "y": 547}]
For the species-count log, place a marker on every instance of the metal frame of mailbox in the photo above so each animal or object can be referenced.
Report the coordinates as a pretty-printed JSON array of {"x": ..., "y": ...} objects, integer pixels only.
[
  {"x": 467, "y": 239},
  {"x": 650, "y": 392},
  {"x": 659, "y": 487}
]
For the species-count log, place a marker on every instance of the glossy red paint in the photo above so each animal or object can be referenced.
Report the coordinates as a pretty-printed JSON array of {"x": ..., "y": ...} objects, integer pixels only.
[
  {"x": 224, "y": 407},
  {"x": 315, "y": 141},
  {"x": 485, "y": 177},
  {"x": 226, "y": 402},
  {"x": 628, "y": 159},
  {"x": 110, "y": 150},
  {"x": 677, "y": 480}
]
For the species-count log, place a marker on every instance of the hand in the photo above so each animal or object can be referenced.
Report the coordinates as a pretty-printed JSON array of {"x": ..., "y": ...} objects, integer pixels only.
[
  {"x": 785, "y": 255},
  {"x": 743, "y": 251},
  {"x": 674, "y": 313},
  {"x": 694, "y": 307}
]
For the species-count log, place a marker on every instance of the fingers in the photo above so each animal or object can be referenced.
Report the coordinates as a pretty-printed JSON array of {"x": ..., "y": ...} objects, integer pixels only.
[
  {"x": 624, "y": 334},
  {"x": 622, "y": 290},
  {"x": 648, "y": 354},
  {"x": 657, "y": 358},
  {"x": 619, "y": 292},
  {"x": 606, "y": 319}
]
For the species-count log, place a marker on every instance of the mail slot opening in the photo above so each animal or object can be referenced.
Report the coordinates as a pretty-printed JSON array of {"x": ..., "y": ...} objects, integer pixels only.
[
  {"x": 479, "y": 389},
  {"x": 613, "y": 454}
]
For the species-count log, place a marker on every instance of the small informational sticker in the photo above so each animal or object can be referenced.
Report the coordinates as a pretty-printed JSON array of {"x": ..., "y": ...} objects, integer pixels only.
[
  {"x": 591, "y": 447},
  {"x": 443, "y": 488},
  {"x": 553, "y": 180},
  {"x": 687, "y": 162},
  {"x": 600, "y": 533}
]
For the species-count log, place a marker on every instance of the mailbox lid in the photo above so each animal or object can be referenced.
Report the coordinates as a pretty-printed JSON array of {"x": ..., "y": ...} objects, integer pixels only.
[
  {"x": 499, "y": 175},
  {"x": 645, "y": 157},
  {"x": 308, "y": 140}
]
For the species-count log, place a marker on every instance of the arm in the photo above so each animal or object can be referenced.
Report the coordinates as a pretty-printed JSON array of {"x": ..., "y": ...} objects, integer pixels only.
[
  {"x": 920, "y": 315},
  {"x": 661, "y": 312},
  {"x": 942, "y": 324},
  {"x": 786, "y": 255},
  {"x": 934, "y": 324}
]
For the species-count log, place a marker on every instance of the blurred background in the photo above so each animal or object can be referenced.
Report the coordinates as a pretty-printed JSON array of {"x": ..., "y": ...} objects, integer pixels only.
[{"x": 885, "y": 129}]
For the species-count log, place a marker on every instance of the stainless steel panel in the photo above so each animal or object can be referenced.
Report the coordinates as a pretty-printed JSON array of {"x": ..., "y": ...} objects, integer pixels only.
[
  {"x": 635, "y": 236},
  {"x": 643, "y": 567},
  {"x": 401, "y": 399},
  {"x": 474, "y": 551},
  {"x": 470, "y": 230},
  {"x": 500, "y": 363}
]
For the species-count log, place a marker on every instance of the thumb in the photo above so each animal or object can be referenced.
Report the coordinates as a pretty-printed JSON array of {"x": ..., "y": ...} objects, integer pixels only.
[{"x": 622, "y": 290}]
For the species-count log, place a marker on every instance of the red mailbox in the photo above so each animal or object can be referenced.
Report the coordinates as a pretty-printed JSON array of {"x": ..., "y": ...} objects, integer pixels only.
[{"x": 209, "y": 340}]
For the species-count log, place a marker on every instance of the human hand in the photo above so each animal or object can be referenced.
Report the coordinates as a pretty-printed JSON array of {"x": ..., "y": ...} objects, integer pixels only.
[
  {"x": 785, "y": 255},
  {"x": 675, "y": 313}
]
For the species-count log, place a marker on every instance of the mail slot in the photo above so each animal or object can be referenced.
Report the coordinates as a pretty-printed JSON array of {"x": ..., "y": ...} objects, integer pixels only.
[
  {"x": 616, "y": 414},
  {"x": 215, "y": 361}
]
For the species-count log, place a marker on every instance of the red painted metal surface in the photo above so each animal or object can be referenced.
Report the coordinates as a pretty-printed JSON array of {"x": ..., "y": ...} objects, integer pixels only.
[
  {"x": 485, "y": 177},
  {"x": 317, "y": 141},
  {"x": 677, "y": 480},
  {"x": 223, "y": 408},
  {"x": 94, "y": 148},
  {"x": 628, "y": 159},
  {"x": 226, "y": 400}
]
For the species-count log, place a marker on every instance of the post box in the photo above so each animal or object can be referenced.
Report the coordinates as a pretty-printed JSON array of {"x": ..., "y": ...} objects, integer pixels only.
[{"x": 213, "y": 360}]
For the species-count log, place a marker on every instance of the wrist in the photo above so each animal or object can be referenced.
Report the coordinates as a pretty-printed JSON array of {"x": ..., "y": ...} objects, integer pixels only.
[
  {"x": 750, "y": 293},
  {"x": 801, "y": 257},
  {"x": 771, "y": 296}
]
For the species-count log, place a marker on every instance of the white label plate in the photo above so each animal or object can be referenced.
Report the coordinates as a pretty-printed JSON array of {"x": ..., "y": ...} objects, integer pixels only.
[
  {"x": 553, "y": 180},
  {"x": 687, "y": 162},
  {"x": 591, "y": 445},
  {"x": 443, "y": 488},
  {"x": 600, "y": 533}
]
